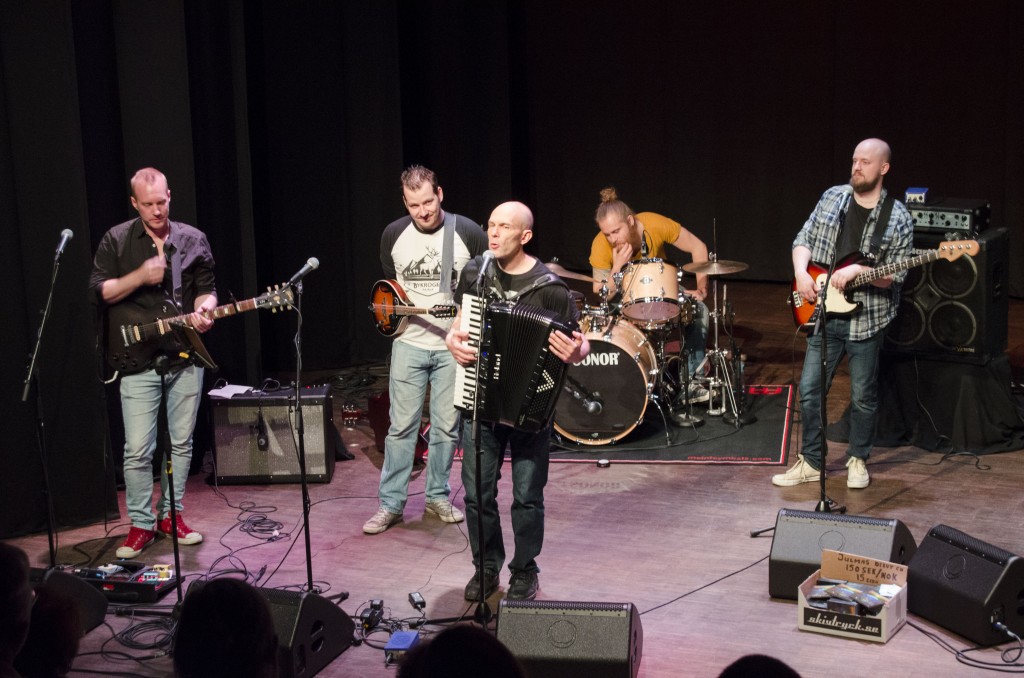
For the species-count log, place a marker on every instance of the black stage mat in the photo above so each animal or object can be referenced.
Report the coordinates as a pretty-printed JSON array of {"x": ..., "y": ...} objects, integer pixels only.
[{"x": 764, "y": 442}]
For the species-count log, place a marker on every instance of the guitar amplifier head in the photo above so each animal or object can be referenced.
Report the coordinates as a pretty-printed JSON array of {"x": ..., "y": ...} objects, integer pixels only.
[
  {"x": 951, "y": 215},
  {"x": 256, "y": 441}
]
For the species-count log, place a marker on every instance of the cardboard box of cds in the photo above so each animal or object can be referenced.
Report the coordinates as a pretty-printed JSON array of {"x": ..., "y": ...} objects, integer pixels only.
[{"x": 854, "y": 597}]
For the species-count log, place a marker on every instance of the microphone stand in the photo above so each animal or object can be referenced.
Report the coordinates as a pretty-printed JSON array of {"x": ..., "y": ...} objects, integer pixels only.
[
  {"x": 300, "y": 433},
  {"x": 483, "y": 611},
  {"x": 160, "y": 365},
  {"x": 51, "y": 534},
  {"x": 825, "y": 503}
]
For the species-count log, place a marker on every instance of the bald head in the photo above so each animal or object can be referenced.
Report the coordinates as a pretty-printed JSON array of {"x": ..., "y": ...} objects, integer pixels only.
[
  {"x": 514, "y": 213},
  {"x": 870, "y": 164},
  {"x": 875, "y": 147}
]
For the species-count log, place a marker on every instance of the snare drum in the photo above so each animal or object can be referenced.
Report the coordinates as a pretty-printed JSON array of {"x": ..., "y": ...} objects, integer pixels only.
[
  {"x": 605, "y": 395},
  {"x": 650, "y": 291}
]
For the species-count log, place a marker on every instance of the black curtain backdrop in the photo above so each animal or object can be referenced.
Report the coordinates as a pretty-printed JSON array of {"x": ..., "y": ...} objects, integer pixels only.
[{"x": 283, "y": 128}]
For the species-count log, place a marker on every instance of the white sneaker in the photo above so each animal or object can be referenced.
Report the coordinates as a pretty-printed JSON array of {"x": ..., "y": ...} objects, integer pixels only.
[
  {"x": 443, "y": 509},
  {"x": 857, "y": 473},
  {"x": 801, "y": 472},
  {"x": 381, "y": 520}
]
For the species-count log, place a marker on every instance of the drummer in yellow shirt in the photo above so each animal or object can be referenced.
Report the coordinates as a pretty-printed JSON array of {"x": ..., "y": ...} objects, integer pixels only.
[{"x": 627, "y": 236}]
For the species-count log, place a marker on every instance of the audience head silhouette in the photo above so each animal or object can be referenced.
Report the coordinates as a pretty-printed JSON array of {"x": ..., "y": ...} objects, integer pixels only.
[{"x": 225, "y": 630}]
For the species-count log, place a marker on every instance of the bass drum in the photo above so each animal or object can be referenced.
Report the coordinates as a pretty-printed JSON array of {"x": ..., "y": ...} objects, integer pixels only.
[{"x": 605, "y": 395}]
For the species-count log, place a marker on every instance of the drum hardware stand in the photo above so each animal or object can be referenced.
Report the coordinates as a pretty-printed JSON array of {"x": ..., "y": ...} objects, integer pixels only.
[
  {"x": 685, "y": 416},
  {"x": 654, "y": 394},
  {"x": 719, "y": 364},
  {"x": 737, "y": 417}
]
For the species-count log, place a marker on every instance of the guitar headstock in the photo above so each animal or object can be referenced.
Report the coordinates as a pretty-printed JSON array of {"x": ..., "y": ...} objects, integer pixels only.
[
  {"x": 444, "y": 311},
  {"x": 276, "y": 297},
  {"x": 954, "y": 249}
]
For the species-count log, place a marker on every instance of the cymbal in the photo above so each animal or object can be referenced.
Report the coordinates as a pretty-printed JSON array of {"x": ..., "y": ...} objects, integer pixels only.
[
  {"x": 562, "y": 272},
  {"x": 715, "y": 267}
]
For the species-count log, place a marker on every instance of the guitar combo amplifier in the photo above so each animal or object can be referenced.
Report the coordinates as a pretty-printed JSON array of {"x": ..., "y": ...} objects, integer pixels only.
[{"x": 255, "y": 439}]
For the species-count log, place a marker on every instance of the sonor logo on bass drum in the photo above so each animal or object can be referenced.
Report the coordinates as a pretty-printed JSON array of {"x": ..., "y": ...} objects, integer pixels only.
[{"x": 602, "y": 358}]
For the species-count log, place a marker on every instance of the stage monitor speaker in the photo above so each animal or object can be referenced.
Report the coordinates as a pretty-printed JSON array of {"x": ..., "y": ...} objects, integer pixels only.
[
  {"x": 955, "y": 309},
  {"x": 965, "y": 585},
  {"x": 89, "y": 601},
  {"x": 557, "y": 639},
  {"x": 255, "y": 440},
  {"x": 801, "y": 536},
  {"x": 311, "y": 630}
]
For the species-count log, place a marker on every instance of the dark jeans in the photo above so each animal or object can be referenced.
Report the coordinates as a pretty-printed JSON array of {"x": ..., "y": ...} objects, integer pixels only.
[
  {"x": 863, "y": 364},
  {"x": 529, "y": 476}
]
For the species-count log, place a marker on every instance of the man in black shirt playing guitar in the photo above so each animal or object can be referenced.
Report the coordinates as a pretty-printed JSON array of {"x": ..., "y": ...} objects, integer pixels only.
[{"x": 146, "y": 268}]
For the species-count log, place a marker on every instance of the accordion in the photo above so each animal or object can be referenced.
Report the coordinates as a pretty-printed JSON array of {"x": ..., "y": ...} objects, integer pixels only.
[{"x": 518, "y": 377}]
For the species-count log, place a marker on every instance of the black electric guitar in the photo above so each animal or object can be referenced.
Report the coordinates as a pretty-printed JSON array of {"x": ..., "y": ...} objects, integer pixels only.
[
  {"x": 843, "y": 304},
  {"x": 134, "y": 335},
  {"x": 391, "y": 308}
]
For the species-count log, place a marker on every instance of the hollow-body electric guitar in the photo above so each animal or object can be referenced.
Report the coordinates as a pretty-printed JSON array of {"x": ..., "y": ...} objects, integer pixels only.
[
  {"x": 391, "y": 308},
  {"x": 804, "y": 312},
  {"x": 134, "y": 334}
]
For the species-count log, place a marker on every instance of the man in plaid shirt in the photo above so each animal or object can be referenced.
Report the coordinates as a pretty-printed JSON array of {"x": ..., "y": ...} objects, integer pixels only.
[{"x": 844, "y": 227}]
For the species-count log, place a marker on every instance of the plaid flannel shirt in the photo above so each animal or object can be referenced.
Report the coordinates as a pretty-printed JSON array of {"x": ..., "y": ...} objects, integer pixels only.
[{"x": 819, "y": 235}]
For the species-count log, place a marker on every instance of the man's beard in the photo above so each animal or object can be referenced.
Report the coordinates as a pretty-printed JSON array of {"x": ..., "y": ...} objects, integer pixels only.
[{"x": 862, "y": 185}]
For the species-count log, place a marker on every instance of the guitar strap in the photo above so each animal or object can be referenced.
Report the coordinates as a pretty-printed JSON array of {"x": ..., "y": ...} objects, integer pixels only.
[
  {"x": 542, "y": 281},
  {"x": 880, "y": 226},
  {"x": 174, "y": 254},
  {"x": 448, "y": 254}
]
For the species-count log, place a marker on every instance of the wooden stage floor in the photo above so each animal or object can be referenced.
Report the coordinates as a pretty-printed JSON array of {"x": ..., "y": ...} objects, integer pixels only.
[{"x": 674, "y": 540}]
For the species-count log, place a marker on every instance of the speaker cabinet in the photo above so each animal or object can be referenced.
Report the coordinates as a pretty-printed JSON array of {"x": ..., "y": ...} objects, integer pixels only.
[
  {"x": 311, "y": 630},
  {"x": 801, "y": 536},
  {"x": 90, "y": 602},
  {"x": 955, "y": 308},
  {"x": 965, "y": 585},
  {"x": 255, "y": 439},
  {"x": 555, "y": 639}
]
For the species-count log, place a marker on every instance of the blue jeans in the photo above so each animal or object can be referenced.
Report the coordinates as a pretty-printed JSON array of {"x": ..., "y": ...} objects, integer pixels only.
[
  {"x": 140, "y": 406},
  {"x": 412, "y": 369},
  {"x": 695, "y": 336},
  {"x": 529, "y": 476},
  {"x": 863, "y": 364}
]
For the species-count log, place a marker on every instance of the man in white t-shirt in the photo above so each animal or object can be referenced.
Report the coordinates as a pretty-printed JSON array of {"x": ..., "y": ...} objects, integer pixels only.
[{"x": 413, "y": 252}]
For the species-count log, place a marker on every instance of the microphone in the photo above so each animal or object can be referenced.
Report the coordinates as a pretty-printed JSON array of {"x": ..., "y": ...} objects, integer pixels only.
[
  {"x": 311, "y": 265},
  {"x": 65, "y": 236},
  {"x": 488, "y": 260},
  {"x": 592, "y": 406}
]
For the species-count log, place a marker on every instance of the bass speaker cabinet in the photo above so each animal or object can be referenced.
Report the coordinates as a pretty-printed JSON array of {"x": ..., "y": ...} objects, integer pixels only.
[
  {"x": 801, "y": 536},
  {"x": 311, "y": 630},
  {"x": 555, "y": 639},
  {"x": 255, "y": 437},
  {"x": 956, "y": 308},
  {"x": 965, "y": 585}
]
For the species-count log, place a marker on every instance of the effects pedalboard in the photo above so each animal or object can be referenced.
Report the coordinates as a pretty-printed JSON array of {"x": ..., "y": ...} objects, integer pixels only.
[{"x": 126, "y": 581}]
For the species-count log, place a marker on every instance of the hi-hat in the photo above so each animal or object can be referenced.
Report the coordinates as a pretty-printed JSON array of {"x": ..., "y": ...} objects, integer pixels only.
[
  {"x": 562, "y": 272},
  {"x": 715, "y": 267}
]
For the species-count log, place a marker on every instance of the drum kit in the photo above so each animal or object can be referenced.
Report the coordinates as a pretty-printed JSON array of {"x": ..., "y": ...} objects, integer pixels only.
[{"x": 606, "y": 395}]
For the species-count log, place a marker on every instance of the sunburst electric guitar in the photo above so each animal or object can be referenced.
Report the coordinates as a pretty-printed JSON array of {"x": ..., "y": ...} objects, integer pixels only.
[
  {"x": 804, "y": 312},
  {"x": 391, "y": 308},
  {"x": 134, "y": 335}
]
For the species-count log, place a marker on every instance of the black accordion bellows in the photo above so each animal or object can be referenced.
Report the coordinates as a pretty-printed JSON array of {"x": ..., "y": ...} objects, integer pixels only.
[{"x": 520, "y": 378}]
